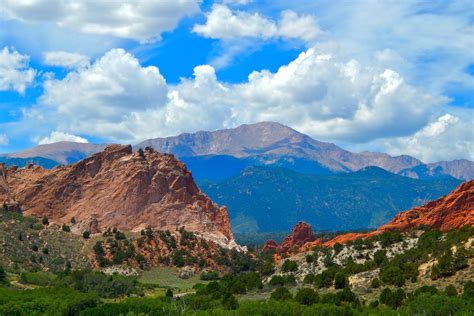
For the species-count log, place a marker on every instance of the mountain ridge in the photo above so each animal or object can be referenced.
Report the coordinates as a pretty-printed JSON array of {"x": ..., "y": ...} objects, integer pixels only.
[{"x": 266, "y": 143}]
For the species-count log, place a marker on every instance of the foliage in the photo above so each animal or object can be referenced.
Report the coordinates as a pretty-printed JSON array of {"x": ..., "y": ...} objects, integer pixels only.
[
  {"x": 281, "y": 294},
  {"x": 289, "y": 266},
  {"x": 210, "y": 276},
  {"x": 307, "y": 296},
  {"x": 391, "y": 298}
]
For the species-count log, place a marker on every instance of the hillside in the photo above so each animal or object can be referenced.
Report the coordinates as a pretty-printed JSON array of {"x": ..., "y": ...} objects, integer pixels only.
[
  {"x": 116, "y": 188},
  {"x": 273, "y": 199}
]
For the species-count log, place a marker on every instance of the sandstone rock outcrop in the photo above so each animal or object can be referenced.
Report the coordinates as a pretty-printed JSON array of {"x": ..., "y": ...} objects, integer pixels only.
[
  {"x": 302, "y": 234},
  {"x": 117, "y": 188}
]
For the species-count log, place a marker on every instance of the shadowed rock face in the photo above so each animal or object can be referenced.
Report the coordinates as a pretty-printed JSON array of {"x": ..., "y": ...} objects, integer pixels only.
[{"x": 117, "y": 188}]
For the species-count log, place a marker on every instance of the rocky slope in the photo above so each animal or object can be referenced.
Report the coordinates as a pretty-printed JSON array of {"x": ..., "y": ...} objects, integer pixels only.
[{"x": 117, "y": 188}]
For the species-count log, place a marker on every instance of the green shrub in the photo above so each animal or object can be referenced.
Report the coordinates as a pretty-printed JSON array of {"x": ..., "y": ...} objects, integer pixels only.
[
  {"x": 307, "y": 296},
  {"x": 340, "y": 280},
  {"x": 86, "y": 234},
  {"x": 450, "y": 290},
  {"x": 209, "y": 276},
  {"x": 391, "y": 298},
  {"x": 289, "y": 266},
  {"x": 281, "y": 294}
]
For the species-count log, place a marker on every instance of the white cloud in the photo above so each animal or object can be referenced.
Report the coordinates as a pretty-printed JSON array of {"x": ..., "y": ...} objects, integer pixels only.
[
  {"x": 57, "y": 136},
  {"x": 3, "y": 140},
  {"x": 65, "y": 59},
  {"x": 95, "y": 99},
  {"x": 448, "y": 137},
  {"x": 222, "y": 23},
  {"x": 428, "y": 42},
  {"x": 237, "y": 2},
  {"x": 14, "y": 71},
  {"x": 321, "y": 95},
  {"x": 141, "y": 20}
]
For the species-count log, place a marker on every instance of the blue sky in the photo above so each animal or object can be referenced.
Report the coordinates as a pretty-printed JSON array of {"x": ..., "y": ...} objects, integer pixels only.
[{"x": 392, "y": 76}]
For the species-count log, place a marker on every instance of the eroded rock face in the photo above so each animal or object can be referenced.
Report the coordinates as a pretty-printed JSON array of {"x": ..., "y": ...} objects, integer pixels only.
[
  {"x": 118, "y": 188},
  {"x": 302, "y": 234}
]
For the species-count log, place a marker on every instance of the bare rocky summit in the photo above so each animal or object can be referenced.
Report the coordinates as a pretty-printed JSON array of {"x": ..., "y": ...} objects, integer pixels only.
[{"x": 117, "y": 188}]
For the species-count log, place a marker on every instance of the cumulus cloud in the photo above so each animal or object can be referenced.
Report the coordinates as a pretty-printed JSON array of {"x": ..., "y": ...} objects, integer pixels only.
[
  {"x": 448, "y": 137},
  {"x": 222, "y": 23},
  {"x": 3, "y": 139},
  {"x": 322, "y": 95},
  {"x": 57, "y": 136},
  {"x": 140, "y": 20},
  {"x": 14, "y": 71},
  {"x": 95, "y": 98},
  {"x": 65, "y": 59}
]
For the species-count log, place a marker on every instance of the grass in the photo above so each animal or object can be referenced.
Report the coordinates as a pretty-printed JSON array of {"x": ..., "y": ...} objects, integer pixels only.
[{"x": 167, "y": 277}]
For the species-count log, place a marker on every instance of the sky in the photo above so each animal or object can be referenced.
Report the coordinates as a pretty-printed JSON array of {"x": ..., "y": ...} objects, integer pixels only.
[{"x": 389, "y": 76}]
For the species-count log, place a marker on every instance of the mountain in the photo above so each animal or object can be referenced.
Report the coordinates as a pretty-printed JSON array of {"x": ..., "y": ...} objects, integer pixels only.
[
  {"x": 272, "y": 199},
  {"x": 23, "y": 162},
  {"x": 225, "y": 153},
  {"x": 452, "y": 211},
  {"x": 61, "y": 152},
  {"x": 268, "y": 143},
  {"x": 117, "y": 188},
  {"x": 460, "y": 169},
  {"x": 270, "y": 140}
]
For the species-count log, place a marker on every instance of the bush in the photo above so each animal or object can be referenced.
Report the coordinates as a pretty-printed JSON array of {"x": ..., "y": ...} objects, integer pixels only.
[
  {"x": 86, "y": 234},
  {"x": 281, "y": 294},
  {"x": 267, "y": 268},
  {"x": 392, "y": 275},
  {"x": 391, "y": 298},
  {"x": 45, "y": 251},
  {"x": 450, "y": 290},
  {"x": 340, "y": 281},
  {"x": 309, "y": 279},
  {"x": 45, "y": 221},
  {"x": 289, "y": 266},
  {"x": 277, "y": 280},
  {"x": 380, "y": 256},
  {"x": 307, "y": 296},
  {"x": 169, "y": 293},
  {"x": 210, "y": 276},
  {"x": 426, "y": 289},
  {"x": 468, "y": 290},
  {"x": 66, "y": 228},
  {"x": 229, "y": 302},
  {"x": 375, "y": 283},
  {"x": 3, "y": 274}
]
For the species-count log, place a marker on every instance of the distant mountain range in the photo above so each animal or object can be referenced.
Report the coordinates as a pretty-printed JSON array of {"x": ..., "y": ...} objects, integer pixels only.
[
  {"x": 266, "y": 199},
  {"x": 265, "y": 143}
]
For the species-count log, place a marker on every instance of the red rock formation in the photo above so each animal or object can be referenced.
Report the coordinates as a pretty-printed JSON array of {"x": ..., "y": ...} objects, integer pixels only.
[
  {"x": 302, "y": 234},
  {"x": 451, "y": 211},
  {"x": 117, "y": 188}
]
